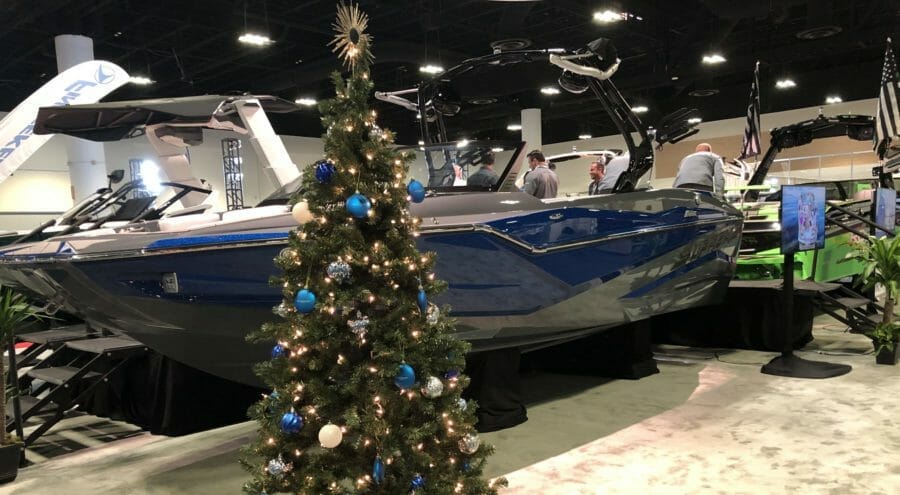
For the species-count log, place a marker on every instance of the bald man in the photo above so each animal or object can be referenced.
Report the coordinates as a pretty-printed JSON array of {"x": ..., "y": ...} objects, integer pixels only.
[{"x": 701, "y": 170}]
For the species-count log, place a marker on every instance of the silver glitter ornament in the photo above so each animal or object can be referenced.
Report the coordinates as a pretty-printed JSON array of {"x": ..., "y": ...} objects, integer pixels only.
[
  {"x": 359, "y": 326},
  {"x": 432, "y": 315},
  {"x": 433, "y": 388},
  {"x": 277, "y": 468},
  {"x": 469, "y": 444},
  {"x": 338, "y": 271},
  {"x": 282, "y": 310}
]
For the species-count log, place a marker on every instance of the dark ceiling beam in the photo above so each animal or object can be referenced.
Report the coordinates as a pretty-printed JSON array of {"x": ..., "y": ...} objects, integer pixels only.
[
  {"x": 321, "y": 69},
  {"x": 33, "y": 12}
]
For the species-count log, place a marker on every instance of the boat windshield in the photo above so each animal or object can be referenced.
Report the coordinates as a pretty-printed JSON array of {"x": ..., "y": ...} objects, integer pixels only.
[
  {"x": 448, "y": 167},
  {"x": 283, "y": 194},
  {"x": 442, "y": 167}
]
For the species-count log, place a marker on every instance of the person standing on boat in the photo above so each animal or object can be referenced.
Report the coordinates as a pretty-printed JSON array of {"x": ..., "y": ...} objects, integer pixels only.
[
  {"x": 485, "y": 176},
  {"x": 541, "y": 182},
  {"x": 611, "y": 173},
  {"x": 596, "y": 172},
  {"x": 701, "y": 170}
]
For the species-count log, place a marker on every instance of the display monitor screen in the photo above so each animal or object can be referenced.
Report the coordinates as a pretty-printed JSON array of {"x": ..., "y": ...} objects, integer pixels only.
[
  {"x": 885, "y": 210},
  {"x": 802, "y": 218}
]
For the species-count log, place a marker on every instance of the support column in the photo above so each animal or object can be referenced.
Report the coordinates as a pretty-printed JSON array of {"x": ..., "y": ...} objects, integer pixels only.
[
  {"x": 86, "y": 159},
  {"x": 531, "y": 134}
]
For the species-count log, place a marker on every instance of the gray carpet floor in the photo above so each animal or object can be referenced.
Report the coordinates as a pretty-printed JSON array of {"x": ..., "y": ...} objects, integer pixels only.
[{"x": 709, "y": 422}]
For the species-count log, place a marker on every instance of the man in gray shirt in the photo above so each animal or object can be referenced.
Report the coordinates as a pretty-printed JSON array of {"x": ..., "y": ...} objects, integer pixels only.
[
  {"x": 614, "y": 169},
  {"x": 485, "y": 176},
  {"x": 541, "y": 182},
  {"x": 701, "y": 170}
]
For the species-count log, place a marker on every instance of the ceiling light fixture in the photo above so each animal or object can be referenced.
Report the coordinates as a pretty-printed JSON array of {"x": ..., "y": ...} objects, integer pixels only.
[
  {"x": 694, "y": 120},
  {"x": 497, "y": 149},
  {"x": 482, "y": 100},
  {"x": 700, "y": 93},
  {"x": 785, "y": 84},
  {"x": 609, "y": 16},
  {"x": 639, "y": 109},
  {"x": 431, "y": 69},
  {"x": 549, "y": 90},
  {"x": 255, "y": 39},
  {"x": 833, "y": 99},
  {"x": 514, "y": 127},
  {"x": 308, "y": 102},
  {"x": 713, "y": 58},
  {"x": 462, "y": 143},
  {"x": 510, "y": 44},
  {"x": 818, "y": 32},
  {"x": 584, "y": 136},
  {"x": 140, "y": 80}
]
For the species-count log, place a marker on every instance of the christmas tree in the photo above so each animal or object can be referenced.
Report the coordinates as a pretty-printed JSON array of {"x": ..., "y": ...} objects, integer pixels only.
[{"x": 365, "y": 371}]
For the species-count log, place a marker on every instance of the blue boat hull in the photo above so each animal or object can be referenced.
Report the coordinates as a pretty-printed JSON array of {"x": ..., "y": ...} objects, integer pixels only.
[{"x": 523, "y": 280}]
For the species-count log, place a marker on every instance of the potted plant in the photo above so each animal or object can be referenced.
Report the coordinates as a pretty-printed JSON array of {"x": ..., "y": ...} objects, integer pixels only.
[
  {"x": 885, "y": 338},
  {"x": 14, "y": 311},
  {"x": 881, "y": 258}
]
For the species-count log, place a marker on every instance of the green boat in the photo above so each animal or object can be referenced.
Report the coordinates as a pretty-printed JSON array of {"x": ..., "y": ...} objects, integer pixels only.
[{"x": 760, "y": 256}]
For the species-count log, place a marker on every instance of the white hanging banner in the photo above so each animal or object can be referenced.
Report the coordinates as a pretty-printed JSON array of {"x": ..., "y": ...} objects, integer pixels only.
[{"x": 86, "y": 82}]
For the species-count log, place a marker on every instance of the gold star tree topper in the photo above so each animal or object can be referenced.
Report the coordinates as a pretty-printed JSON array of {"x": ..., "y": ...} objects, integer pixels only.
[{"x": 351, "y": 42}]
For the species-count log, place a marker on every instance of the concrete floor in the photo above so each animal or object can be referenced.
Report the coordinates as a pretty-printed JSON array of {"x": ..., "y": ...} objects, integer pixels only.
[{"x": 710, "y": 422}]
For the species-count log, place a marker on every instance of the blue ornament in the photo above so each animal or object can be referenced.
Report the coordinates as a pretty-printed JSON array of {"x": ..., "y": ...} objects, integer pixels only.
[
  {"x": 451, "y": 374},
  {"x": 305, "y": 301},
  {"x": 378, "y": 470},
  {"x": 422, "y": 299},
  {"x": 278, "y": 351},
  {"x": 358, "y": 205},
  {"x": 416, "y": 191},
  {"x": 338, "y": 271},
  {"x": 291, "y": 422},
  {"x": 417, "y": 482},
  {"x": 324, "y": 171},
  {"x": 405, "y": 377},
  {"x": 466, "y": 465}
]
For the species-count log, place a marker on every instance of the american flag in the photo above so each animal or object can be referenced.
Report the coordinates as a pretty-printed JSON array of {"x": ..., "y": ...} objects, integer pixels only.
[
  {"x": 887, "y": 117},
  {"x": 751, "y": 146}
]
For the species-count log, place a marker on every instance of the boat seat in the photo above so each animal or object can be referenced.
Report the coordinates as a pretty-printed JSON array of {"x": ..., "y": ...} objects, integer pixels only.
[
  {"x": 114, "y": 224},
  {"x": 97, "y": 232},
  {"x": 254, "y": 213},
  {"x": 865, "y": 194},
  {"x": 174, "y": 224},
  {"x": 191, "y": 210}
]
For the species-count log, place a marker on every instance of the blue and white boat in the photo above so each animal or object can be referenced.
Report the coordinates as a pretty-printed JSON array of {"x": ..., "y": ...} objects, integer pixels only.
[{"x": 522, "y": 272}]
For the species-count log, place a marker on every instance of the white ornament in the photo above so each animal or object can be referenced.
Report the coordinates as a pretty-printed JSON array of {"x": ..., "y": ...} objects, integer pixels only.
[
  {"x": 469, "y": 444},
  {"x": 434, "y": 387},
  {"x": 301, "y": 212},
  {"x": 330, "y": 436},
  {"x": 462, "y": 404}
]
